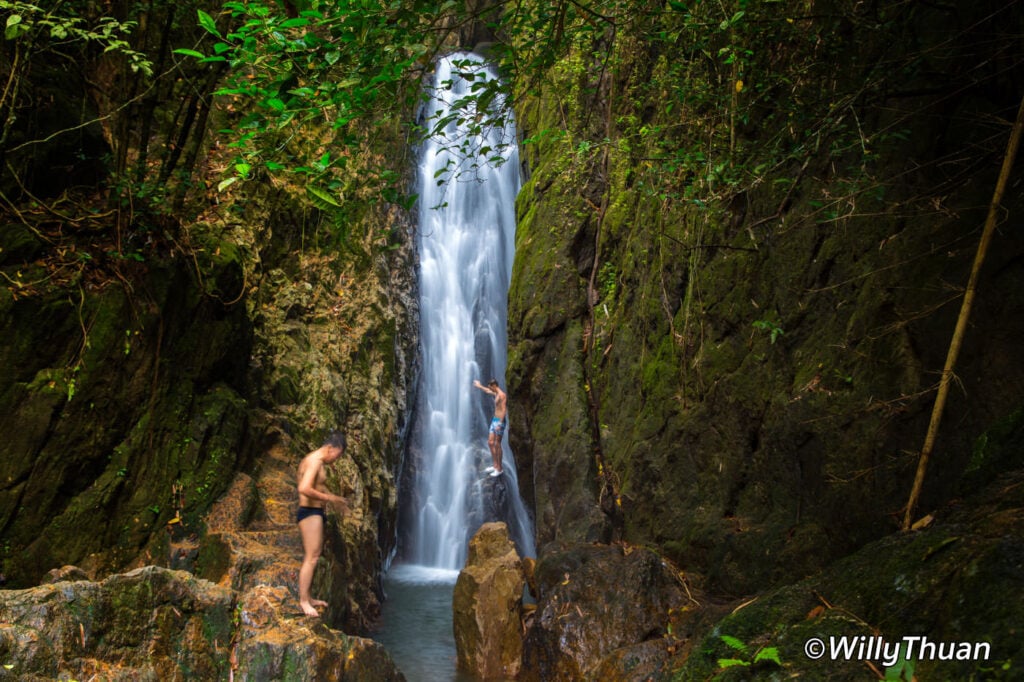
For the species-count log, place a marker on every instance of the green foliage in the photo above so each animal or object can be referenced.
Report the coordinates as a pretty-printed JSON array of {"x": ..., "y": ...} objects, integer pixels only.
[
  {"x": 901, "y": 671},
  {"x": 60, "y": 34},
  {"x": 773, "y": 330},
  {"x": 761, "y": 655},
  {"x": 752, "y": 81},
  {"x": 334, "y": 64},
  {"x": 39, "y": 30},
  {"x": 608, "y": 277}
]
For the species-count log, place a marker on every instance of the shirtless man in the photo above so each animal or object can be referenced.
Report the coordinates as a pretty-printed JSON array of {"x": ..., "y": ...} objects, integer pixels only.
[
  {"x": 498, "y": 423},
  {"x": 313, "y": 497}
]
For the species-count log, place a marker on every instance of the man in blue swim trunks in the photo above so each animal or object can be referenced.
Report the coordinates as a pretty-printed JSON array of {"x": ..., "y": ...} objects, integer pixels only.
[
  {"x": 313, "y": 497},
  {"x": 498, "y": 423}
]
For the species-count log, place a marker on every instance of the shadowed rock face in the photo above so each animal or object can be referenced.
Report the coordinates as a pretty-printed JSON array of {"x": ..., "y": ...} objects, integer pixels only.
[
  {"x": 747, "y": 381},
  {"x": 487, "y": 605},
  {"x": 956, "y": 581},
  {"x": 618, "y": 614},
  {"x": 595, "y": 599}
]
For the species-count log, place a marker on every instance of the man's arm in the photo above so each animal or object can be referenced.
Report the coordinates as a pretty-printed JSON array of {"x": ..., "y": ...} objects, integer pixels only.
[{"x": 483, "y": 388}]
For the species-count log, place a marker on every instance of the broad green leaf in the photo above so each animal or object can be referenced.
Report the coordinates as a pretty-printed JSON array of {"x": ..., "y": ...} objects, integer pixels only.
[
  {"x": 224, "y": 184},
  {"x": 190, "y": 53},
  {"x": 321, "y": 198},
  {"x": 207, "y": 22}
]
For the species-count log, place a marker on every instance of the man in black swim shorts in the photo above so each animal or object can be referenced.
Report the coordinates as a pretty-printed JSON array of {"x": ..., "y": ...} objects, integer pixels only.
[{"x": 313, "y": 495}]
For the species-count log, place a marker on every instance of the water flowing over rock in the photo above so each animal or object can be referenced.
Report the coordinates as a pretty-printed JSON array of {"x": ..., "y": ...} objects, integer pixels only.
[
  {"x": 594, "y": 600},
  {"x": 487, "y": 605},
  {"x": 466, "y": 243}
]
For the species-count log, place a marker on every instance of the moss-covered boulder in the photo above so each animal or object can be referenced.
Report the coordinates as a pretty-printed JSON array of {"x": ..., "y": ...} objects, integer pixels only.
[
  {"x": 942, "y": 594},
  {"x": 149, "y": 624}
]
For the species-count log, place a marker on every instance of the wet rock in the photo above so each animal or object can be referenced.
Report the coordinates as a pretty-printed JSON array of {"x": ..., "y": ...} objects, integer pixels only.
[
  {"x": 487, "y": 605},
  {"x": 594, "y": 600},
  {"x": 641, "y": 662}
]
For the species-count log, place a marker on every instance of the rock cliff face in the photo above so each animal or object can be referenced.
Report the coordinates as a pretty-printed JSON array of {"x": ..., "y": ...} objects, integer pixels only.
[
  {"x": 739, "y": 370},
  {"x": 119, "y": 404},
  {"x": 137, "y": 392},
  {"x": 131, "y": 408}
]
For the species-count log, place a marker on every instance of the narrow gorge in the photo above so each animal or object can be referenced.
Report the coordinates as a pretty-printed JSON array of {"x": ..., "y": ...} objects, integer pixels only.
[{"x": 716, "y": 254}]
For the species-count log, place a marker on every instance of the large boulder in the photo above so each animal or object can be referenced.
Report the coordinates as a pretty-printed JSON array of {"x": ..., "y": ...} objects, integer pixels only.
[
  {"x": 149, "y": 624},
  {"x": 594, "y": 600},
  {"x": 487, "y": 605}
]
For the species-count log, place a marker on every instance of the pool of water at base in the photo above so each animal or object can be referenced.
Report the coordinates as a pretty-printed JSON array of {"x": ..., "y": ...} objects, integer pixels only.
[{"x": 416, "y": 623}]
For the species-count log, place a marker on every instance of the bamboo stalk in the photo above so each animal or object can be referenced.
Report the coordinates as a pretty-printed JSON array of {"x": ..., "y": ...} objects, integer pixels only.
[{"x": 965, "y": 311}]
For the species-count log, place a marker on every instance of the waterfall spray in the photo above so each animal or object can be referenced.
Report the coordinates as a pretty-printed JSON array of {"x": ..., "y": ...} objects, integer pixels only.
[{"x": 468, "y": 181}]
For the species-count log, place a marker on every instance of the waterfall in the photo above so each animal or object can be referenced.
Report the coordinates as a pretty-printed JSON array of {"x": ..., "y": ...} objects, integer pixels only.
[{"x": 466, "y": 245}]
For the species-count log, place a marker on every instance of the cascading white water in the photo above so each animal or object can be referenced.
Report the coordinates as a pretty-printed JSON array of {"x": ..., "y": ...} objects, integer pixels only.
[{"x": 466, "y": 246}]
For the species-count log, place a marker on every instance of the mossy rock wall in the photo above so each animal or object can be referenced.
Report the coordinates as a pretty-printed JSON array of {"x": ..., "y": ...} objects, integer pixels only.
[
  {"x": 132, "y": 400},
  {"x": 121, "y": 406},
  {"x": 744, "y": 380}
]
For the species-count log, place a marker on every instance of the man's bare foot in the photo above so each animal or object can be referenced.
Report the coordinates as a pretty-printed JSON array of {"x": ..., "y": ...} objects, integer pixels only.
[
  {"x": 308, "y": 609},
  {"x": 318, "y": 603}
]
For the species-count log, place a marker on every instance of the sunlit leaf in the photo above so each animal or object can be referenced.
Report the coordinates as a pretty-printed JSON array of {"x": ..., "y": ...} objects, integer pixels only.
[{"x": 207, "y": 22}]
